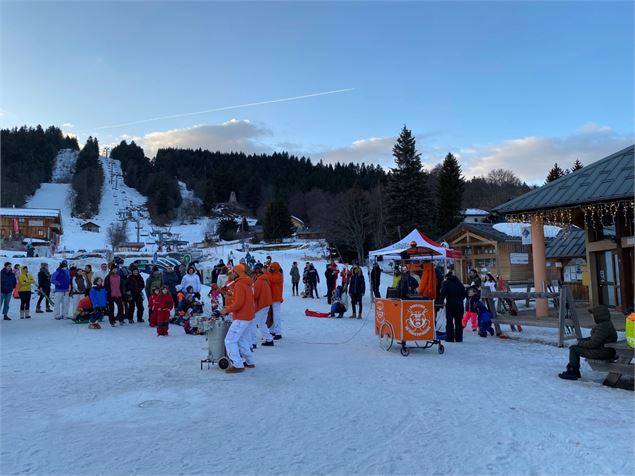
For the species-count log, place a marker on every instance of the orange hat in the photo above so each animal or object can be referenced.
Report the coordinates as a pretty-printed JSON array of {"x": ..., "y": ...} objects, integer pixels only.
[{"x": 239, "y": 269}]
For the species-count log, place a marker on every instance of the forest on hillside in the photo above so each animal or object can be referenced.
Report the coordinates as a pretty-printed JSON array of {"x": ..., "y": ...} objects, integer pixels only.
[{"x": 27, "y": 158}]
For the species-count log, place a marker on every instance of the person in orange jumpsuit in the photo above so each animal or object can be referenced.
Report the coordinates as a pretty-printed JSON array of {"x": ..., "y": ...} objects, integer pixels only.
[{"x": 239, "y": 338}]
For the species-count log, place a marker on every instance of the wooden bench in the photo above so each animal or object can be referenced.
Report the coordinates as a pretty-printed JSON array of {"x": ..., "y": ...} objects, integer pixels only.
[{"x": 621, "y": 367}]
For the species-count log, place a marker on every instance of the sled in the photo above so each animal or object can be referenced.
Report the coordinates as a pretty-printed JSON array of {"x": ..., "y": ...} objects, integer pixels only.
[{"x": 309, "y": 313}]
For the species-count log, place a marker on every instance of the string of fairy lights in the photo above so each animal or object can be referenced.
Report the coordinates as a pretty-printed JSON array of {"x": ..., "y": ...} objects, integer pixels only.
[{"x": 606, "y": 213}]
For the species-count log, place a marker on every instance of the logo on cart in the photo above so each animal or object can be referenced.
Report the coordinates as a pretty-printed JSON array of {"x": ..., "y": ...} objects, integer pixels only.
[
  {"x": 379, "y": 310},
  {"x": 418, "y": 321}
]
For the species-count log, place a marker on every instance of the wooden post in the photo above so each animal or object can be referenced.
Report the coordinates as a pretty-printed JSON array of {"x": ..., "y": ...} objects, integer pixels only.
[{"x": 539, "y": 262}]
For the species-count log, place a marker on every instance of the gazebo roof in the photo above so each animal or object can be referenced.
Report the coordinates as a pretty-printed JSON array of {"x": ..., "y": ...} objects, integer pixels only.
[{"x": 608, "y": 179}]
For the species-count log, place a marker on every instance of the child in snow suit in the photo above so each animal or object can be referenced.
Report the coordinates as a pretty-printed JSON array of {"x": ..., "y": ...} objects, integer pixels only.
[
  {"x": 152, "y": 306},
  {"x": 99, "y": 302},
  {"x": 471, "y": 310},
  {"x": 164, "y": 304},
  {"x": 339, "y": 302},
  {"x": 484, "y": 321}
]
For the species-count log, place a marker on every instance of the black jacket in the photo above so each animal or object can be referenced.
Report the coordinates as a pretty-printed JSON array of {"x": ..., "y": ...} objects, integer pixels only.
[
  {"x": 375, "y": 276},
  {"x": 357, "y": 285},
  {"x": 312, "y": 276},
  {"x": 454, "y": 291},
  {"x": 135, "y": 284},
  {"x": 44, "y": 280}
]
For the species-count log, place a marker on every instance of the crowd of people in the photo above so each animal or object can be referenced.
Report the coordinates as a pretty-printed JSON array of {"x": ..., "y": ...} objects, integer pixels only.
[{"x": 251, "y": 292}]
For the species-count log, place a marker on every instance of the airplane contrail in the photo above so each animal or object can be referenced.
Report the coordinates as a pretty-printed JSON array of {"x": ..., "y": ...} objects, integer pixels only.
[{"x": 217, "y": 109}]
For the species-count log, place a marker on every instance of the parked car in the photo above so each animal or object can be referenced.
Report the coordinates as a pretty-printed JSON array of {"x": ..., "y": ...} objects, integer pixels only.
[{"x": 146, "y": 268}]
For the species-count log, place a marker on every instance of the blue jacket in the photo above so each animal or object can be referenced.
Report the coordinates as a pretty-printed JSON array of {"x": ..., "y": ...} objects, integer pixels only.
[
  {"x": 357, "y": 284},
  {"x": 98, "y": 297},
  {"x": 8, "y": 281},
  {"x": 61, "y": 279}
]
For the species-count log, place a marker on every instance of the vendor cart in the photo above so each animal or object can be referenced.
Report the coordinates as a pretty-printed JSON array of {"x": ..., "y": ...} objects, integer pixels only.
[{"x": 406, "y": 321}]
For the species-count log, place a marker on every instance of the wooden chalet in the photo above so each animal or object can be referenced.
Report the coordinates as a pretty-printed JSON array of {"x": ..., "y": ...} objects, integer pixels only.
[
  {"x": 16, "y": 224},
  {"x": 598, "y": 199}
]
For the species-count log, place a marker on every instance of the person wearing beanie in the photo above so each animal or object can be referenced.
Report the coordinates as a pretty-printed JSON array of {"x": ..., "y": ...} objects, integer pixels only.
[
  {"x": 594, "y": 346},
  {"x": 238, "y": 340},
  {"x": 61, "y": 279}
]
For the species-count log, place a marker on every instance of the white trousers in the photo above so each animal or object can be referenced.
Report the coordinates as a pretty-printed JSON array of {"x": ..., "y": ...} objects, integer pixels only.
[
  {"x": 238, "y": 343},
  {"x": 261, "y": 322},
  {"x": 75, "y": 298},
  {"x": 61, "y": 304},
  {"x": 276, "y": 328}
]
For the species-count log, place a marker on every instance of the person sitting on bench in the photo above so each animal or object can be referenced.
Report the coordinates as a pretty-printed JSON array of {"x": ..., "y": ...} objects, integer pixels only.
[{"x": 603, "y": 332}]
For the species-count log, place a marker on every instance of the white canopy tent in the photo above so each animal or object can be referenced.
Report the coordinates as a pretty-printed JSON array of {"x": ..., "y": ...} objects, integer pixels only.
[{"x": 436, "y": 250}]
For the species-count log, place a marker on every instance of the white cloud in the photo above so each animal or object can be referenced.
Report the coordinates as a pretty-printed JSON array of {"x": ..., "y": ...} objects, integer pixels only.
[
  {"x": 68, "y": 125},
  {"x": 531, "y": 157},
  {"x": 234, "y": 135},
  {"x": 378, "y": 151}
]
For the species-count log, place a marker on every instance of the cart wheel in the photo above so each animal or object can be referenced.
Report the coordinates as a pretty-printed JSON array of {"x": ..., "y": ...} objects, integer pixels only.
[
  {"x": 441, "y": 349},
  {"x": 404, "y": 351},
  {"x": 385, "y": 336},
  {"x": 223, "y": 363}
]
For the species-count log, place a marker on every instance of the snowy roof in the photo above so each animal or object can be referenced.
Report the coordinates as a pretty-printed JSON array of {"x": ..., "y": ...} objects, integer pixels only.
[
  {"x": 30, "y": 212},
  {"x": 475, "y": 212},
  {"x": 516, "y": 229}
]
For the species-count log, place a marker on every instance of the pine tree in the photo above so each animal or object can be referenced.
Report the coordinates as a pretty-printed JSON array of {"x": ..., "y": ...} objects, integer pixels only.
[
  {"x": 449, "y": 194},
  {"x": 577, "y": 165},
  {"x": 277, "y": 223},
  {"x": 227, "y": 228},
  {"x": 555, "y": 173},
  {"x": 409, "y": 203}
]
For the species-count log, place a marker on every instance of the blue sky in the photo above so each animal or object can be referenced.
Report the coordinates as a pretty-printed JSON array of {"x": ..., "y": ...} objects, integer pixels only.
[{"x": 499, "y": 84}]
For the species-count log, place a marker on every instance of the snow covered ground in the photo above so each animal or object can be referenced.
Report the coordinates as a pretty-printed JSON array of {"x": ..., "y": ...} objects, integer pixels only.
[{"x": 325, "y": 400}]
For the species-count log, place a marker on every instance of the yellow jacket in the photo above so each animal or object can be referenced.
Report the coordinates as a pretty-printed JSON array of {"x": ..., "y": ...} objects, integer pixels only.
[{"x": 24, "y": 281}]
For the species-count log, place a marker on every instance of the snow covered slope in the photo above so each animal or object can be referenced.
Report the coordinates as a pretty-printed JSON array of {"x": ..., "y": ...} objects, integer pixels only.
[
  {"x": 118, "y": 202},
  {"x": 64, "y": 166}
]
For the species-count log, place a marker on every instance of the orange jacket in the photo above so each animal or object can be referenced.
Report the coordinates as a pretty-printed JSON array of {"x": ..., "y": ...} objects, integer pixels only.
[
  {"x": 274, "y": 275},
  {"x": 428, "y": 283},
  {"x": 242, "y": 307},
  {"x": 262, "y": 292}
]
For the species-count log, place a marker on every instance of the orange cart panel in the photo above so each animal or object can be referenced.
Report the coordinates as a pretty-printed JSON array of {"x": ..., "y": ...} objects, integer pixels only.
[{"x": 410, "y": 320}]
